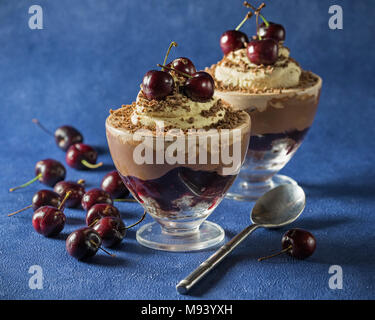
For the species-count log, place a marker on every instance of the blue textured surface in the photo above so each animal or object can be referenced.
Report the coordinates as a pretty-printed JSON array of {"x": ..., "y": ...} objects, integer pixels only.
[{"x": 91, "y": 55}]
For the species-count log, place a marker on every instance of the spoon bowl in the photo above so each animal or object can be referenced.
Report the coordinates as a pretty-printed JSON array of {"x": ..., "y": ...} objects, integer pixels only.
[{"x": 279, "y": 207}]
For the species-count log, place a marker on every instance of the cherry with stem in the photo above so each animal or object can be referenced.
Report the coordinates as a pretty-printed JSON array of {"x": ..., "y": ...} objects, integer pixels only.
[
  {"x": 298, "y": 243},
  {"x": 65, "y": 136},
  {"x": 48, "y": 172},
  {"x": 40, "y": 199}
]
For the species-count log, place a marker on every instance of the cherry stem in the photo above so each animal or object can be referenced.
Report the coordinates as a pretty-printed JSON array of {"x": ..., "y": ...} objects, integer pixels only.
[
  {"x": 257, "y": 12},
  {"x": 27, "y": 183},
  {"x": 248, "y": 16},
  {"x": 175, "y": 70},
  {"x": 18, "y": 211},
  {"x": 125, "y": 200},
  {"x": 110, "y": 254},
  {"x": 67, "y": 195},
  {"x": 173, "y": 44},
  {"x": 91, "y": 165},
  {"x": 81, "y": 181},
  {"x": 139, "y": 221},
  {"x": 276, "y": 254},
  {"x": 93, "y": 223},
  {"x": 36, "y": 121}
]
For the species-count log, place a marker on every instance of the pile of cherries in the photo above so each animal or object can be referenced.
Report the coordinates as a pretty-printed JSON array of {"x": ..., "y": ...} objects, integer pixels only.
[
  {"x": 263, "y": 49},
  {"x": 104, "y": 224},
  {"x": 157, "y": 84}
]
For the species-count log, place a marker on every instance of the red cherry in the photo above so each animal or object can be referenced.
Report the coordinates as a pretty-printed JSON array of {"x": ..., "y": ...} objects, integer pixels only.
[
  {"x": 273, "y": 31},
  {"x": 182, "y": 64},
  {"x": 48, "y": 221},
  {"x": 95, "y": 196},
  {"x": 100, "y": 210},
  {"x": 77, "y": 191},
  {"x": 232, "y": 40},
  {"x": 264, "y": 51},
  {"x": 111, "y": 229},
  {"x": 157, "y": 84},
  {"x": 82, "y": 156},
  {"x": 113, "y": 184},
  {"x": 83, "y": 243},
  {"x": 200, "y": 87}
]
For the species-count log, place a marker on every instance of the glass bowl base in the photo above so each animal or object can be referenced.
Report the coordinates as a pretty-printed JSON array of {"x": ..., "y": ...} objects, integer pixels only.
[
  {"x": 243, "y": 190},
  {"x": 207, "y": 235}
]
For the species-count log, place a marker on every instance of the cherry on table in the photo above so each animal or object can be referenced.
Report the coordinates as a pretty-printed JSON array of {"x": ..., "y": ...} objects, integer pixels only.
[
  {"x": 84, "y": 243},
  {"x": 50, "y": 221},
  {"x": 100, "y": 210},
  {"x": 112, "y": 229},
  {"x": 77, "y": 190},
  {"x": 42, "y": 198},
  {"x": 82, "y": 156},
  {"x": 113, "y": 184},
  {"x": 65, "y": 136},
  {"x": 200, "y": 86},
  {"x": 298, "y": 243},
  {"x": 183, "y": 64},
  {"x": 265, "y": 51},
  {"x": 95, "y": 196},
  {"x": 273, "y": 30},
  {"x": 48, "y": 172}
]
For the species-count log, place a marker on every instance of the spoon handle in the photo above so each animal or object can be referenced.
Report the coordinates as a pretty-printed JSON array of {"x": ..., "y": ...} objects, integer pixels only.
[{"x": 205, "y": 267}]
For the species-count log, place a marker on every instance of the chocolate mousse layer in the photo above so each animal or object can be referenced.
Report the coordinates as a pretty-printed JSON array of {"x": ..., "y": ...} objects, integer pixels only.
[{"x": 121, "y": 133}]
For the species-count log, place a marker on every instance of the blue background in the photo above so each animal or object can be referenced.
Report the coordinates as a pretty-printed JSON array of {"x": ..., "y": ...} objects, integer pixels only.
[{"x": 91, "y": 56}]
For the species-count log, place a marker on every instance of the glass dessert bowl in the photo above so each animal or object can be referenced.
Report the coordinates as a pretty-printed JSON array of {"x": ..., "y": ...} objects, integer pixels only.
[
  {"x": 172, "y": 154},
  {"x": 281, "y": 99}
]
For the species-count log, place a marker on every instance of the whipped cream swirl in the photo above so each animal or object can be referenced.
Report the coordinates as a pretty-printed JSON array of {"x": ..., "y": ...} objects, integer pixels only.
[
  {"x": 177, "y": 111},
  {"x": 235, "y": 70}
]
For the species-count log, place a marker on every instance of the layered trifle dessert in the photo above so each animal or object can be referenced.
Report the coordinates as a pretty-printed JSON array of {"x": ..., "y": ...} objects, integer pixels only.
[
  {"x": 260, "y": 77},
  {"x": 178, "y": 150}
]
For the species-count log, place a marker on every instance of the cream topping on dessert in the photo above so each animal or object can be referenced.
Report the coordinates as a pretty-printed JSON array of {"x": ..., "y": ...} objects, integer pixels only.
[
  {"x": 236, "y": 70},
  {"x": 177, "y": 111}
]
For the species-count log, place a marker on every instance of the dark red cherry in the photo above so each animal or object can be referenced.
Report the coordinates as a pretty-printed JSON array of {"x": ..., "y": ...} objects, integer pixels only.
[
  {"x": 264, "y": 51},
  {"x": 299, "y": 243},
  {"x": 83, "y": 243},
  {"x": 111, "y": 229},
  {"x": 82, "y": 156},
  {"x": 77, "y": 192},
  {"x": 51, "y": 171},
  {"x": 100, "y": 210},
  {"x": 46, "y": 198},
  {"x": 157, "y": 84},
  {"x": 113, "y": 184},
  {"x": 48, "y": 221},
  {"x": 95, "y": 196},
  {"x": 200, "y": 87},
  {"x": 273, "y": 31},
  {"x": 48, "y": 172},
  {"x": 66, "y": 136},
  {"x": 233, "y": 40},
  {"x": 40, "y": 199},
  {"x": 183, "y": 64}
]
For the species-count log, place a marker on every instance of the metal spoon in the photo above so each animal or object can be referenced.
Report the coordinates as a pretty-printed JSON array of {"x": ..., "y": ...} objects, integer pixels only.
[{"x": 276, "y": 208}]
